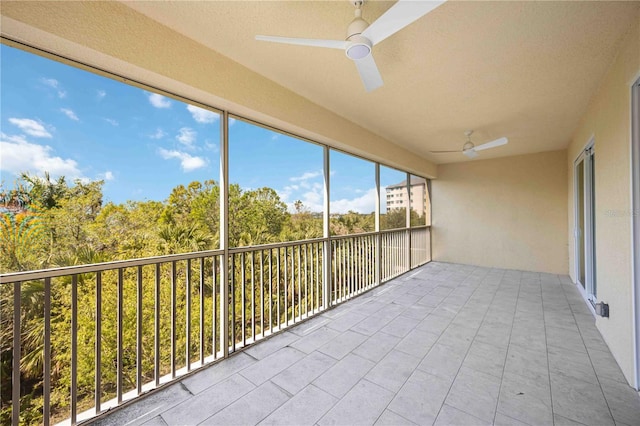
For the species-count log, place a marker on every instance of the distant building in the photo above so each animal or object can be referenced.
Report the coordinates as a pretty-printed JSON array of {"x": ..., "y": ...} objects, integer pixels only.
[{"x": 397, "y": 196}]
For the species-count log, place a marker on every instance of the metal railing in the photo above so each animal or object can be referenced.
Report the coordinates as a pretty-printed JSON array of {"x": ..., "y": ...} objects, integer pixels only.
[{"x": 155, "y": 319}]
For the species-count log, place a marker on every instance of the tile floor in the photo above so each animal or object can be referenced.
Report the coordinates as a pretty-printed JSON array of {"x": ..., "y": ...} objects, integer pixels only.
[{"x": 445, "y": 344}]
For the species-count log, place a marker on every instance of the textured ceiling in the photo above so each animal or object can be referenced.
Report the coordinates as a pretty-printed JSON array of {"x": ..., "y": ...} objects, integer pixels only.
[{"x": 525, "y": 70}]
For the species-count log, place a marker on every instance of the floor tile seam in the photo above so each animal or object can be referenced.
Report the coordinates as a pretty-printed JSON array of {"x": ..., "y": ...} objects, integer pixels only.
[
  {"x": 394, "y": 412},
  {"x": 466, "y": 412},
  {"x": 478, "y": 288},
  {"x": 350, "y": 389},
  {"x": 546, "y": 342},
  {"x": 302, "y": 390},
  {"x": 512, "y": 418},
  {"x": 504, "y": 366},
  {"x": 226, "y": 405},
  {"x": 606, "y": 401},
  {"x": 288, "y": 394},
  {"x": 358, "y": 381}
]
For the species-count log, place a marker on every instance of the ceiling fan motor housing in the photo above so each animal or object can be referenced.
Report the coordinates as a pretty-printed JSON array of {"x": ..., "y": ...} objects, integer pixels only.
[{"x": 359, "y": 46}]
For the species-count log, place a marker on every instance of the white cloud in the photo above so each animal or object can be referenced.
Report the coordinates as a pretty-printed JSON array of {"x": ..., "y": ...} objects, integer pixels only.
[
  {"x": 186, "y": 136},
  {"x": 112, "y": 121},
  {"x": 305, "y": 176},
  {"x": 108, "y": 175},
  {"x": 20, "y": 155},
  {"x": 232, "y": 121},
  {"x": 101, "y": 94},
  {"x": 188, "y": 162},
  {"x": 54, "y": 84},
  {"x": 366, "y": 203},
  {"x": 211, "y": 146},
  {"x": 159, "y": 101},
  {"x": 31, "y": 127},
  {"x": 159, "y": 134},
  {"x": 69, "y": 113},
  {"x": 202, "y": 115}
]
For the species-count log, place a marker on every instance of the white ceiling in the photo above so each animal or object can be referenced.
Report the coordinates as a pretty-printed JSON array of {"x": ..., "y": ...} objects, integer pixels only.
[{"x": 525, "y": 70}]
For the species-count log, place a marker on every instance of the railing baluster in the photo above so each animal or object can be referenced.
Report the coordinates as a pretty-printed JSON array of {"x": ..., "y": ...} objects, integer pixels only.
[
  {"x": 173, "y": 319},
  {"x": 286, "y": 287},
  {"x": 139, "y": 334},
  {"x": 318, "y": 284},
  {"x": 232, "y": 258},
  {"x": 98, "y": 343},
  {"x": 243, "y": 282},
  {"x": 187, "y": 292},
  {"x": 156, "y": 324},
  {"x": 298, "y": 304},
  {"x": 253, "y": 298},
  {"x": 339, "y": 262},
  {"x": 352, "y": 268},
  {"x": 262, "y": 293},
  {"x": 119, "y": 314},
  {"x": 312, "y": 265},
  {"x": 306, "y": 280},
  {"x": 214, "y": 302},
  {"x": 201, "y": 290},
  {"x": 15, "y": 372},
  {"x": 278, "y": 285},
  {"x": 270, "y": 292},
  {"x": 299, "y": 283}
]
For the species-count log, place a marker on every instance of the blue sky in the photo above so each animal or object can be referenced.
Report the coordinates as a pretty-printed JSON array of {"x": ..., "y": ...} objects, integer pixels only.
[{"x": 70, "y": 122}]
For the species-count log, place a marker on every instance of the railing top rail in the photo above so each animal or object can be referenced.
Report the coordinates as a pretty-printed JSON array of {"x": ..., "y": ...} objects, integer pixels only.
[
  {"x": 274, "y": 245},
  {"x": 104, "y": 266},
  {"x": 361, "y": 234},
  {"x": 388, "y": 231}
]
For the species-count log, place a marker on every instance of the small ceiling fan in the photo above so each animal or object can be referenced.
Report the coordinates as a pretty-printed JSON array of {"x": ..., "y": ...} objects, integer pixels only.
[
  {"x": 470, "y": 150},
  {"x": 361, "y": 37}
]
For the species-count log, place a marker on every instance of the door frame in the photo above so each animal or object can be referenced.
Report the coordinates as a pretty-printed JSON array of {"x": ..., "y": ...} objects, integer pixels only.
[
  {"x": 588, "y": 289},
  {"x": 635, "y": 219}
]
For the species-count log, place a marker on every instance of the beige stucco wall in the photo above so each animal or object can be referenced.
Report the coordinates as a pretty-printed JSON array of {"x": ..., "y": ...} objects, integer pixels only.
[
  {"x": 608, "y": 121},
  {"x": 505, "y": 213},
  {"x": 114, "y": 37}
]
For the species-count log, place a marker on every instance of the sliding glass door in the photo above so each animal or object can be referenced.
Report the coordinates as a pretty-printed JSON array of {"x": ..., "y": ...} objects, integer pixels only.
[{"x": 584, "y": 222}]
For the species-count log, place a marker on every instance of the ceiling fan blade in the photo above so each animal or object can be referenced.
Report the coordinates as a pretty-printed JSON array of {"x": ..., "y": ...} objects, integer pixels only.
[
  {"x": 492, "y": 144},
  {"x": 401, "y": 14},
  {"x": 471, "y": 153},
  {"x": 332, "y": 44},
  {"x": 442, "y": 152},
  {"x": 369, "y": 73}
]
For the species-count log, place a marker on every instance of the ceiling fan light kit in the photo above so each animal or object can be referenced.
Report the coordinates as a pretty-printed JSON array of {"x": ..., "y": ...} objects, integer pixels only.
[{"x": 361, "y": 37}]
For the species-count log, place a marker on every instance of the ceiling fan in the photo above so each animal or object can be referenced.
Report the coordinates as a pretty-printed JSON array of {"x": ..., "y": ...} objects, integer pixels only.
[
  {"x": 361, "y": 37},
  {"x": 470, "y": 150}
]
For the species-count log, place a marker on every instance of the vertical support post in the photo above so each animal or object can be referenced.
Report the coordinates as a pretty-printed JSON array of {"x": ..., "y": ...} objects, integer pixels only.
[
  {"x": 326, "y": 255},
  {"x": 139, "y": 333},
  {"x": 156, "y": 326},
  {"x": 15, "y": 373},
  {"x": 119, "y": 355},
  {"x": 98, "y": 342},
  {"x": 46, "y": 385},
  {"x": 74, "y": 347},
  {"x": 224, "y": 233}
]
